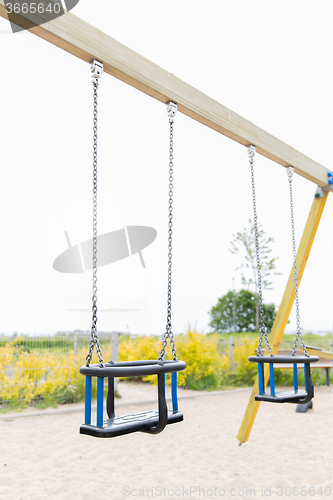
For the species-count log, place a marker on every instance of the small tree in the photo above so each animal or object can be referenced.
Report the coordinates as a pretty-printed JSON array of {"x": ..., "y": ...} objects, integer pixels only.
[
  {"x": 243, "y": 244},
  {"x": 245, "y": 312}
]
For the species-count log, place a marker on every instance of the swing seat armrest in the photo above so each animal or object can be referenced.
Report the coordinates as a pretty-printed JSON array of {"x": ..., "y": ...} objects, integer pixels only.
[
  {"x": 133, "y": 368},
  {"x": 283, "y": 359}
]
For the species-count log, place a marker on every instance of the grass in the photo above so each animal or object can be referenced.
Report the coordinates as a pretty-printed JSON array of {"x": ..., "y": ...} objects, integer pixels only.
[{"x": 287, "y": 341}]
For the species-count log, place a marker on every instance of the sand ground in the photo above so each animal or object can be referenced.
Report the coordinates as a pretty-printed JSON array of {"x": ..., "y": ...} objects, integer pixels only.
[{"x": 288, "y": 454}]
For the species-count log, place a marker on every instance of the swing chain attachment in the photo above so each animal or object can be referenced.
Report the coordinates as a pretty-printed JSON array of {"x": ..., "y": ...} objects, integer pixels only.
[
  {"x": 251, "y": 150},
  {"x": 290, "y": 172},
  {"x": 96, "y": 70},
  {"x": 171, "y": 108}
]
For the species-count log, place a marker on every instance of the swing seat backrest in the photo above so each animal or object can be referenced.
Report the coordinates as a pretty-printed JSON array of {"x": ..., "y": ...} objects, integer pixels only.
[
  {"x": 153, "y": 421},
  {"x": 295, "y": 395}
]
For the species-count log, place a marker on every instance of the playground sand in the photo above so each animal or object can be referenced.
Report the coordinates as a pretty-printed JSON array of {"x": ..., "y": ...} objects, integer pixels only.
[{"x": 288, "y": 454}]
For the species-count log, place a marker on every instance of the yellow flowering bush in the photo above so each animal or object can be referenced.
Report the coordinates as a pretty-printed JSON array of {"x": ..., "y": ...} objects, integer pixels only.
[
  {"x": 200, "y": 353},
  {"x": 45, "y": 376},
  {"x": 203, "y": 361},
  {"x": 244, "y": 371},
  {"x": 6, "y": 360},
  {"x": 28, "y": 376},
  {"x": 132, "y": 349}
]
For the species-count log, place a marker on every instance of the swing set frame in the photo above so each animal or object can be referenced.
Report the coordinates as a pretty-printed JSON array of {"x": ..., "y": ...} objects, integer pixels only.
[{"x": 86, "y": 42}]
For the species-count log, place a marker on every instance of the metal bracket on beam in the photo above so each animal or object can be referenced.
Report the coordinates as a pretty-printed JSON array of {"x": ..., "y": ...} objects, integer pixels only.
[
  {"x": 320, "y": 192},
  {"x": 171, "y": 110},
  {"x": 96, "y": 68}
]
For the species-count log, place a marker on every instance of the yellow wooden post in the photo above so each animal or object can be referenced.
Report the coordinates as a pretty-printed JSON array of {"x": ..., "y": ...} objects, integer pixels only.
[{"x": 284, "y": 310}]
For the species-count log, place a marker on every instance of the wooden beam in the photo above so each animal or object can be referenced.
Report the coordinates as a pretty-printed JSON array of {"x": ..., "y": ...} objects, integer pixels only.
[
  {"x": 86, "y": 42},
  {"x": 282, "y": 316}
]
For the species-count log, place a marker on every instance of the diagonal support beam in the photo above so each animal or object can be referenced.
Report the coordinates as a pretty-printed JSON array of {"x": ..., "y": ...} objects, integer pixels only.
[
  {"x": 86, "y": 42},
  {"x": 284, "y": 310}
]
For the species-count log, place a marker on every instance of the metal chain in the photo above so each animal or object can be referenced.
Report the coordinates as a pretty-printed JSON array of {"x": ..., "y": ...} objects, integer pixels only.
[
  {"x": 263, "y": 332},
  {"x": 290, "y": 171},
  {"x": 171, "y": 110},
  {"x": 94, "y": 341}
]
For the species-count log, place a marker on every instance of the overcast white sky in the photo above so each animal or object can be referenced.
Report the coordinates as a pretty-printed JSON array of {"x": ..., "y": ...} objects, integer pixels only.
[{"x": 271, "y": 62}]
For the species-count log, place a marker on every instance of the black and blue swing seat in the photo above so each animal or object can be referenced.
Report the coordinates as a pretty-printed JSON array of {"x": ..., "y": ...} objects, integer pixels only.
[
  {"x": 153, "y": 421},
  {"x": 298, "y": 396}
]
